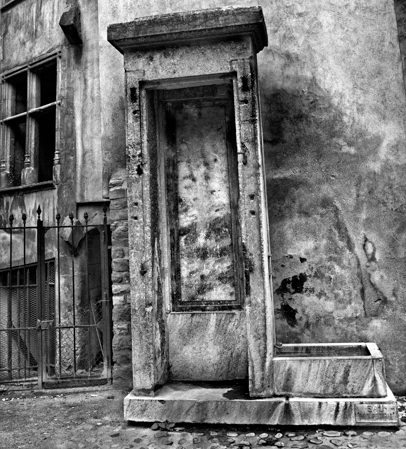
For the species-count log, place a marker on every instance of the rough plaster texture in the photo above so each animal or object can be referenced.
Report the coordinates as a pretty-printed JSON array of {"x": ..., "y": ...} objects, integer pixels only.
[
  {"x": 333, "y": 106},
  {"x": 334, "y": 132}
]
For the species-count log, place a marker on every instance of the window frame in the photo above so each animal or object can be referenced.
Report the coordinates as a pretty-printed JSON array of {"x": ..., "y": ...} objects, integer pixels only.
[{"x": 29, "y": 172}]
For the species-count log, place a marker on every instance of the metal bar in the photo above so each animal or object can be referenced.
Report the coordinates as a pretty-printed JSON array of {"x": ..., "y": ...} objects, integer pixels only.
[
  {"x": 73, "y": 293},
  {"x": 43, "y": 108},
  {"x": 40, "y": 293},
  {"x": 77, "y": 326},
  {"x": 58, "y": 219},
  {"x": 20, "y": 228},
  {"x": 26, "y": 294},
  {"x": 89, "y": 355},
  {"x": 9, "y": 301},
  {"x": 46, "y": 315},
  {"x": 18, "y": 321},
  {"x": 14, "y": 117},
  {"x": 106, "y": 304}
]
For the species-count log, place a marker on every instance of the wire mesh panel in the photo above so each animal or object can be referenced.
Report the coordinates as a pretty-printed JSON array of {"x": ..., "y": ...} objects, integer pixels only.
[
  {"x": 55, "y": 311},
  {"x": 18, "y": 319}
]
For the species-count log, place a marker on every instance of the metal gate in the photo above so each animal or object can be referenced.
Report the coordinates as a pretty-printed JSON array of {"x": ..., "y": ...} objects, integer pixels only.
[{"x": 55, "y": 302}]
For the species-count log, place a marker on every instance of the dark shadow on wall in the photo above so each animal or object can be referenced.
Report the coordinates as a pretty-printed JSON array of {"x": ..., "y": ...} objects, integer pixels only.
[
  {"x": 316, "y": 161},
  {"x": 400, "y": 11}
]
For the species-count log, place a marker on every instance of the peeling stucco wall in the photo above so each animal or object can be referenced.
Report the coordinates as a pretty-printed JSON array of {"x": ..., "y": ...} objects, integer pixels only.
[{"x": 334, "y": 132}]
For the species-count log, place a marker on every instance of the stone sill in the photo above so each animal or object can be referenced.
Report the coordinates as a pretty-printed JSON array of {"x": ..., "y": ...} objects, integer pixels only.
[{"x": 46, "y": 185}]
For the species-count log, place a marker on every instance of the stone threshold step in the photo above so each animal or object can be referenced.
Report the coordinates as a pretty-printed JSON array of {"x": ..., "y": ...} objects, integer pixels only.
[{"x": 182, "y": 402}]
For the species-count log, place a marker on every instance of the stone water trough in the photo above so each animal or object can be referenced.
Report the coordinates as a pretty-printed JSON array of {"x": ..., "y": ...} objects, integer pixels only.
[{"x": 337, "y": 370}]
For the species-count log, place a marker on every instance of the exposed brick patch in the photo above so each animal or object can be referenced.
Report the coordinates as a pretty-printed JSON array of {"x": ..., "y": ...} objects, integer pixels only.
[{"x": 120, "y": 277}]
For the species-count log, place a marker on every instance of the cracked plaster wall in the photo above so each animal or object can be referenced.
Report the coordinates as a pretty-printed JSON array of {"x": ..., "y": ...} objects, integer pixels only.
[
  {"x": 334, "y": 133},
  {"x": 333, "y": 108}
]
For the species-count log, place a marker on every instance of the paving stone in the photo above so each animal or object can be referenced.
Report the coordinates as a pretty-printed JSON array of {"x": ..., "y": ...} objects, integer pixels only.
[
  {"x": 161, "y": 434},
  {"x": 279, "y": 444},
  {"x": 350, "y": 433},
  {"x": 232, "y": 434},
  {"x": 262, "y": 442},
  {"x": 279, "y": 435},
  {"x": 332, "y": 433},
  {"x": 316, "y": 441},
  {"x": 366, "y": 434},
  {"x": 251, "y": 434},
  {"x": 242, "y": 443},
  {"x": 337, "y": 442},
  {"x": 313, "y": 435},
  {"x": 263, "y": 435},
  {"x": 384, "y": 434},
  {"x": 297, "y": 438}
]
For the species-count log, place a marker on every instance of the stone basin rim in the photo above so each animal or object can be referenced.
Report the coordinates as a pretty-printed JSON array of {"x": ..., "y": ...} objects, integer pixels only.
[{"x": 328, "y": 350}]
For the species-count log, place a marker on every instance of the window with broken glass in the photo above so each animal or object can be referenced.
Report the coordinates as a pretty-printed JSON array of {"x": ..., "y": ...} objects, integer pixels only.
[{"x": 29, "y": 125}]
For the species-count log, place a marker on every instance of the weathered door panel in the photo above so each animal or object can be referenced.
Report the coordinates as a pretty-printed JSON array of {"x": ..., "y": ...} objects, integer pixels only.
[{"x": 207, "y": 336}]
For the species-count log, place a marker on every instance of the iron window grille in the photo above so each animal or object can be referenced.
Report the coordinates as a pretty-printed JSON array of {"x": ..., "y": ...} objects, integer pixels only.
[{"x": 30, "y": 123}]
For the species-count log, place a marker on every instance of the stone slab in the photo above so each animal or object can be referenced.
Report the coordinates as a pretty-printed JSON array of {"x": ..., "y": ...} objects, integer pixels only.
[
  {"x": 330, "y": 370},
  {"x": 184, "y": 28},
  {"x": 205, "y": 403}
]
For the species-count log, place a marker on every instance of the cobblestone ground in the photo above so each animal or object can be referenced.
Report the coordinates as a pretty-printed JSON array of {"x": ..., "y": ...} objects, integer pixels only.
[{"x": 94, "y": 420}]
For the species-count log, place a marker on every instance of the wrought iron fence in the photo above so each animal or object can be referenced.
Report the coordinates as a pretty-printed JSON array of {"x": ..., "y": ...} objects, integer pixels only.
[{"x": 55, "y": 302}]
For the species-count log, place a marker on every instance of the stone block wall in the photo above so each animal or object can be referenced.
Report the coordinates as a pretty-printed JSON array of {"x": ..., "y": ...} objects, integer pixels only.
[{"x": 120, "y": 277}]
